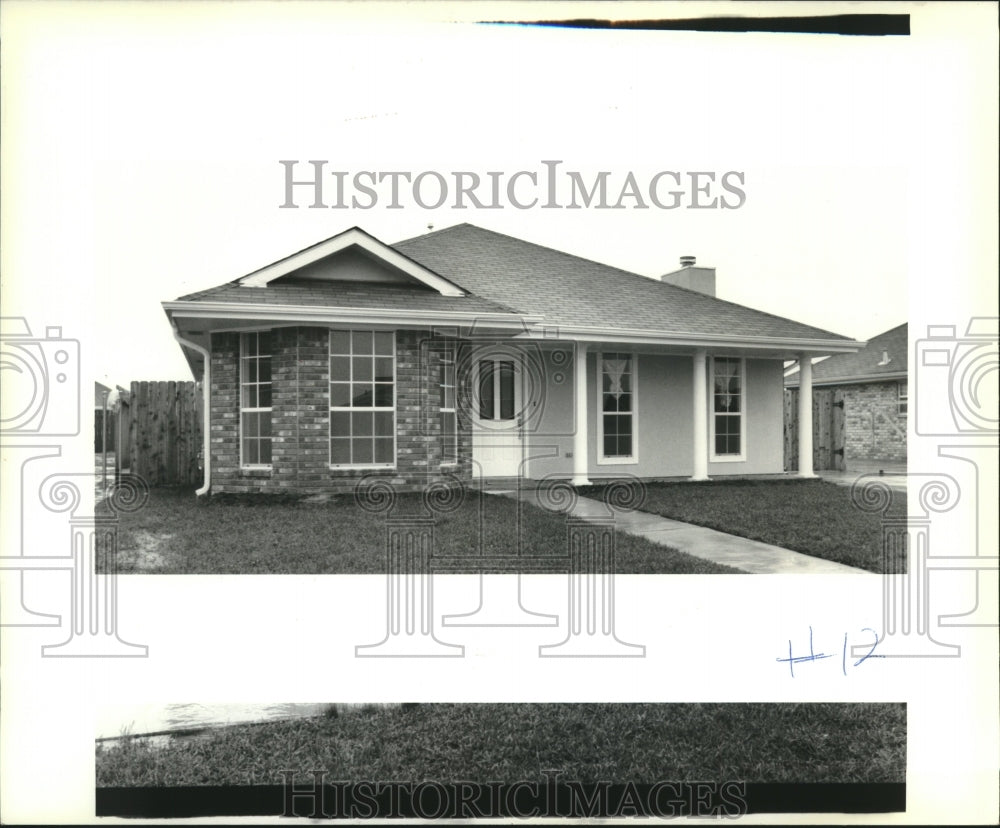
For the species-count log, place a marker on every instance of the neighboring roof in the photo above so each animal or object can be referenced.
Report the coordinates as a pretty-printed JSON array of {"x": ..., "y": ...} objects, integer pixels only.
[
  {"x": 573, "y": 292},
  {"x": 867, "y": 365},
  {"x": 101, "y": 392}
]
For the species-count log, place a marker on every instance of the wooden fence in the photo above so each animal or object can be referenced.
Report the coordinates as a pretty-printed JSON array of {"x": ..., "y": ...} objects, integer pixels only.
[
  {"x": 160, "y": 431},
  {"x": 828, "y": 429}
]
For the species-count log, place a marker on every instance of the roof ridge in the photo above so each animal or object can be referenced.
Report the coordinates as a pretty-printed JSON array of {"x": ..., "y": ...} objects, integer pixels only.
[{"x": 438, "y": 232}]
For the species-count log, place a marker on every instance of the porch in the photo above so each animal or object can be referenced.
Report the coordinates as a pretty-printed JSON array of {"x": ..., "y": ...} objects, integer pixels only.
[{"x": 587, "y": 411}]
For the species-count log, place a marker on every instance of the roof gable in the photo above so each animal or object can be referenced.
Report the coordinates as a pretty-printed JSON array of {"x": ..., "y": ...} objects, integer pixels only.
[{"x": 352, "y": 256}]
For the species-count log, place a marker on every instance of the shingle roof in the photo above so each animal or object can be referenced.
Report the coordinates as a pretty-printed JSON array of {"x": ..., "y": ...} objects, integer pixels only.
[
  {"x": 864, "y": 365},
  {"x": 504, "y": 274},
  {"x": 345, "y": 295},
  {"x": 569, "y": 290}
]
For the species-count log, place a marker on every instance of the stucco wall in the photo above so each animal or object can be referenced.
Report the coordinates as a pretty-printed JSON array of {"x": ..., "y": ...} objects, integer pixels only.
[
  {"x": 664, "y": 431},
  {"x": 549, "y": 435},
  {"x": 764, "y": 401}
]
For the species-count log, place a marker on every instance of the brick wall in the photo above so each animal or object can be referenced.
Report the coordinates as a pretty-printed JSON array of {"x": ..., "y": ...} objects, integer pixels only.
[
  {"x": 300, "y": 418},
  {"x": 874, "y": 429}
]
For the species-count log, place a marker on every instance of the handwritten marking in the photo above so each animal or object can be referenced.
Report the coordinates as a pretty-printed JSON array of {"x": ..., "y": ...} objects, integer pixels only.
[{"x": 793, "y": 659}]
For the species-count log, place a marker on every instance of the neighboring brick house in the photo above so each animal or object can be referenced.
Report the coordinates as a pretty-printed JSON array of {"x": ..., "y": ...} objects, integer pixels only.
[
  {"x": 875, "y": 392},
  {"x": 465, "y": 354}
]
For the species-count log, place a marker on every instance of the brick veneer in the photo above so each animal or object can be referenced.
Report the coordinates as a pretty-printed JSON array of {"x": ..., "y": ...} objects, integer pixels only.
[
  {"x": 886, "y": 439},
  {"x": 300, "y": 418}
]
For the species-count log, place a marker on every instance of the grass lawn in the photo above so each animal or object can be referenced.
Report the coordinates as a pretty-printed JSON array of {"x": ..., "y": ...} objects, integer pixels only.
[
  {"x": 641, "y": 743},
  {"x": 811, "y": 516},
  {"x": 175, "y": 533}
]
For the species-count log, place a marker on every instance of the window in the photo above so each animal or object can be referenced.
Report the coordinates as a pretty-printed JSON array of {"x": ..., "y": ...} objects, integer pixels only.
[
  {"x": 449, "y": 420},
  {"x": 496, "y": 389},
  {"x": 902, "y": 394},
  {"x": 255, "y": 399},
  {"x": 727, "y": 408},
  {"x": 362, "y": 398},
  {"x": 617, "y": 408}
]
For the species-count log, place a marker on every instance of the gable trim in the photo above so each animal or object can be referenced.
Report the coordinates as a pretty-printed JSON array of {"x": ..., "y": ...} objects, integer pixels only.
[{"x": 355, "y": 237}]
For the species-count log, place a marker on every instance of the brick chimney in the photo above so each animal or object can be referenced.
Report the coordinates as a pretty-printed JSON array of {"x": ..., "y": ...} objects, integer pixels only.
[{"x": 692, "y": 277}]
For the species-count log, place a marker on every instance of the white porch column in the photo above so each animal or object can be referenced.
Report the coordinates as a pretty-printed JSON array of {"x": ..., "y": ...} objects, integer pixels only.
[
  {"x": 580, "y": 410},
  {"x": 700, "y": 415},
  {"x": 805, "y": 416}
]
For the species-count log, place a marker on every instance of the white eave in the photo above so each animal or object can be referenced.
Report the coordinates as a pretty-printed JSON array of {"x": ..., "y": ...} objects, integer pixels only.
[
  {"x": 355, "y": 237},
  {"x": 520, "y": 325},
  {"x": 309, "y": 314},
  {"x": 709, "y": 341}
]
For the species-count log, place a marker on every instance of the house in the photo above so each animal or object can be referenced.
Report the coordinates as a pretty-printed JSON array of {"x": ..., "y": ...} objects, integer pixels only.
[
  {"x": 872, "y": 387},
  {"x": 466, "y": 354}
]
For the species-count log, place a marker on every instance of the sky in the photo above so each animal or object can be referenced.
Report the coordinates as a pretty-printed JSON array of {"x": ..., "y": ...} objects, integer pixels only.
[{"x": 148, "y": 153}]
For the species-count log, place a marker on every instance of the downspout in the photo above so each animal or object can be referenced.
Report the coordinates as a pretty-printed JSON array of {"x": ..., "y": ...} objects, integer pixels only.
[{"x": 206, "y": 390}]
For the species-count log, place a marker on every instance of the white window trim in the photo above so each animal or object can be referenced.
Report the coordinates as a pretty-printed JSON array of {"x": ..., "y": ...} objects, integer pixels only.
[
  {"x": 727, "y": 458},
  {"x": 451, "y": 354},
  {"x": 495, "y": 360},
  {"x": 902, "y": 398},
  {"x": 632, "y": 459},
  {"x": 242, "y": 410},
  {"x": 331, "y": 408}
]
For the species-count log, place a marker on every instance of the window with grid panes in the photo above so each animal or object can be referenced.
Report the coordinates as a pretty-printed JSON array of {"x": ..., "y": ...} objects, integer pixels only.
[
  {"x": 362, "y": 398},
  {"x": 449, "y": 418},
  {"x": 617, "y": 406},
  {"x": 727, "y": 406},
  {"x": 255, "y": 399}
]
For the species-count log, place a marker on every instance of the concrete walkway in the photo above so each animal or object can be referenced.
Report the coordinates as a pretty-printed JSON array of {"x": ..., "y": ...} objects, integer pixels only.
[{"x": 708, "y": 544}]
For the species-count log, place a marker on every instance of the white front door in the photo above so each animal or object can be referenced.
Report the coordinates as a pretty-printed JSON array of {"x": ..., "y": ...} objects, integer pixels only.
[{"x": 497, "y": 438}]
